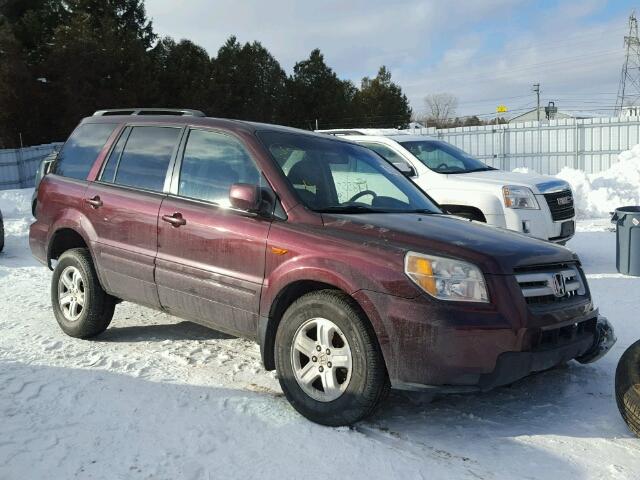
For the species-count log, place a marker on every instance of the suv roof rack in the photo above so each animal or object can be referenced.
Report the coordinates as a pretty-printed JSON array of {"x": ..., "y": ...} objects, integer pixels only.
[
  {"x": 341, "y": 132},
  {"x": 149, "y": 111}
]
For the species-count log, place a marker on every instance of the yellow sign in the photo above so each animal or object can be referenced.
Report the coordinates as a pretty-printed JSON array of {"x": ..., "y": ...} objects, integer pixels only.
[{"x": 502, "y": 109}]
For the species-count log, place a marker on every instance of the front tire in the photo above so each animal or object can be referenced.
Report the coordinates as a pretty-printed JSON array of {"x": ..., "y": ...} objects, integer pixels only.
[
  {"x": 329, "y": 363},
  {"x": 628, "y": 387},
  {"x": 81, "y": 307}
]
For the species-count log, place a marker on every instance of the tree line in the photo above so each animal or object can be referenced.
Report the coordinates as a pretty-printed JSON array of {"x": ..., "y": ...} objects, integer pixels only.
[{"x": 62, "y": 60}]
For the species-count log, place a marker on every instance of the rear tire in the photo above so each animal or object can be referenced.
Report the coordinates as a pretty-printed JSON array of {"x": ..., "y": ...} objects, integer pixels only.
[
  {"x": 1, "y": 234},
  {"x": 81, "y": 307},
  {"x": 357, "y": 381},
  {"x": 628, "y": 387}
]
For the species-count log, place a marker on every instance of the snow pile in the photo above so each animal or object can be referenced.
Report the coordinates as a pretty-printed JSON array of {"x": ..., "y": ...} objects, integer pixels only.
[
  {"x": 15, "y": 203},
  {"x": 598, "y": 194}
]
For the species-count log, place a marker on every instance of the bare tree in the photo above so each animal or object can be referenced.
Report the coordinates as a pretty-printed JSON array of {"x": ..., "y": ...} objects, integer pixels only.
[{"x": 441, "y": 107}]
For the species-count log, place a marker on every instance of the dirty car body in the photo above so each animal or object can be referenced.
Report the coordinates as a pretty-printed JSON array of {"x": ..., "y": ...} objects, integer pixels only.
[{"x": 238, "y": 270}]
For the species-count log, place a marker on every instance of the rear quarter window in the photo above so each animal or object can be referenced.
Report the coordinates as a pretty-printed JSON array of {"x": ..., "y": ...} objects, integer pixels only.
[{"x": 82, "y": 148}]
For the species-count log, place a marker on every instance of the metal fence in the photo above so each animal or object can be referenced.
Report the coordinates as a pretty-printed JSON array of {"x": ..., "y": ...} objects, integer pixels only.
[
  {"x": 591, "y": 144},
  {"x": 18, "y": 166}
]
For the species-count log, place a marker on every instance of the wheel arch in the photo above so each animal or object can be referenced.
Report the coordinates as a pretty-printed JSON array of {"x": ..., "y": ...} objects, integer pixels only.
[
  {"x": 63, "y": 239},
  {"x": 268, "y": 324},
  {"x": 468, "y": 211}
]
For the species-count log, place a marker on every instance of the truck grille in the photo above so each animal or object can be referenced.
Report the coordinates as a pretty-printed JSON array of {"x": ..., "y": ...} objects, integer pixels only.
[
  {"x": 560, "y": 204},
  {"x": 550, "y": 284}
]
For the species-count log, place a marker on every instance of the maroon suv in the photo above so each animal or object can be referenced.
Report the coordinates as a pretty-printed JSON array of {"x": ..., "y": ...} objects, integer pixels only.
[{"x": 348, "y": 275}]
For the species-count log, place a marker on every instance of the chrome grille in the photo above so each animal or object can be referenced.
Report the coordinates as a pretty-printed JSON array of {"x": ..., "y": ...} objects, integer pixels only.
[{"x": 552, "y": 285}]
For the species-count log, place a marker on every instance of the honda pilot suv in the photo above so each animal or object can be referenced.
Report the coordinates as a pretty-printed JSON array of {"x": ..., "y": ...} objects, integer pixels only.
[{"x": 350, "y": 278}]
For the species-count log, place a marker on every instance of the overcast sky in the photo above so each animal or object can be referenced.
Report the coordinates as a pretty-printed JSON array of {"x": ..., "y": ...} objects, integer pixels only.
[{"x": 486, "y": 52}]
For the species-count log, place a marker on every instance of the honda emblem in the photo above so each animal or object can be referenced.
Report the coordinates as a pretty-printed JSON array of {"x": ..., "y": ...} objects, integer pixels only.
[{"x": 559, "y": 285}]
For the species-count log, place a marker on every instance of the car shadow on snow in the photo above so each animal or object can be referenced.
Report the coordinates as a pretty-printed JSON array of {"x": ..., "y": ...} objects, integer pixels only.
[
  {"x": 572, "y": 400},
  {"x": 183, "y": 330}
]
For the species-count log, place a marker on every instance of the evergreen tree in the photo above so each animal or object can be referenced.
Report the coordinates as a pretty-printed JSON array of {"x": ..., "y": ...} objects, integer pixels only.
[
  {"x": 183, "y": 74},
  {"x": 99, "y": 59},
  {"x": 248, "y": 83},
  {"x": 381, "y": 103},
  {"x": 316, "y": 92},
  {"x": 62, "y": 60}
]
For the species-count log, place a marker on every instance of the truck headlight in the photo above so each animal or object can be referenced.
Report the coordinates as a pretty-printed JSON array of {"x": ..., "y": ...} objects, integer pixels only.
[
  {"x": 446, "y": 278},
  {"x": 519, "y": 197}
]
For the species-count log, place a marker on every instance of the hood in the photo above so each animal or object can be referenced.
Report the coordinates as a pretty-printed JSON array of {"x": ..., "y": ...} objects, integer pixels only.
[
  {"x": 494, "y": 250},
  {"x": 538, "y": 183}
]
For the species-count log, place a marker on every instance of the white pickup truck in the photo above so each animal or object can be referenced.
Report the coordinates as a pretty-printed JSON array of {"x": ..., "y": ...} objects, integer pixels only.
[{"x": 536, "y": 205}]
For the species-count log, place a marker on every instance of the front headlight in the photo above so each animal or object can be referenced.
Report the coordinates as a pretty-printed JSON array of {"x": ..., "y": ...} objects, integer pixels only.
[
  {"x": 519, "y": 197},
  {"x": 446, "y": 278}
]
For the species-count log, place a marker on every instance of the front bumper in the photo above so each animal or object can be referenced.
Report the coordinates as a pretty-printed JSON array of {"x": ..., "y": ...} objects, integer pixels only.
[
  {"x": 513, "y": 366},
  {"x": 539, "y": 223},
  {"x": 431, "y": 345}
]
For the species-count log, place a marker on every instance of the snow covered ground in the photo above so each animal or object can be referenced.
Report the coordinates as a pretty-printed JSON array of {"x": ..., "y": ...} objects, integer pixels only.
[{"x": 155, "y": 397}]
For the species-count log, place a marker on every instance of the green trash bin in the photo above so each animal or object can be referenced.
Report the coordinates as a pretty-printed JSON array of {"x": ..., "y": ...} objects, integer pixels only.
[{"x": 627, "y": 220}]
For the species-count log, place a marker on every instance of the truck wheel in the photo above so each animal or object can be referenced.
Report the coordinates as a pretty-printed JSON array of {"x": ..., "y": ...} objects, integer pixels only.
[
  {"x": 329, "y": 363},
  {"x": 82, "y": 308},
  {"x": 628, "y": 387}
]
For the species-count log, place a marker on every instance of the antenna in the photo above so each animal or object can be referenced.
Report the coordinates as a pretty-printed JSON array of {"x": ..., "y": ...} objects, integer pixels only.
[{"x": 629, "y": 88}]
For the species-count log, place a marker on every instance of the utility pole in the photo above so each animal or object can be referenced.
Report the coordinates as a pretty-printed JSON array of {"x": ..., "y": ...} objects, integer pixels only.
[
  {"x": 536, "y": 90},
  {"x": 629, "y": 87}
]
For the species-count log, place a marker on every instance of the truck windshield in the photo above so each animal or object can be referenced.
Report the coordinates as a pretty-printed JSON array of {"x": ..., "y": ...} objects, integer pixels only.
[
  {"x": 442, "y": 157},
  {"x": 336, "y": 176}
]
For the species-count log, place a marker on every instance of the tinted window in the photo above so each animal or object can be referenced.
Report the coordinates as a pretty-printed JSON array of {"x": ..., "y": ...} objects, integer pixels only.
[
  {"x": 146, "y": 156},
  {"x": 335, "y": 176},
  {"x": 212, "y": 162},
  {"x": 109, "y": 172},
  {"x": 81, "y": 149}
]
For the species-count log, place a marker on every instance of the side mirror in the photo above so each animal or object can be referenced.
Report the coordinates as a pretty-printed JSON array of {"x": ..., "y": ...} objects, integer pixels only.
[
  {"x": 244, "y": 196},
  {"x": 407, "y": 170}
]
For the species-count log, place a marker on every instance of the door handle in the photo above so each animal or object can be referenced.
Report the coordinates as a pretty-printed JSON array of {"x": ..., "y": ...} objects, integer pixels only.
[
  {"x": 95, "y": 202},
  {"x": 176, "y": 219}
]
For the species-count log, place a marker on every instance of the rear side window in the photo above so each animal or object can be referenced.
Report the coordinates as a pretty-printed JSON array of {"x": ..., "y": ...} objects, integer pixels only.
[
  {"x": 212, "y": 162},
  {"x": 82, "y": 148},
  {"x": 144, "y": 160}
]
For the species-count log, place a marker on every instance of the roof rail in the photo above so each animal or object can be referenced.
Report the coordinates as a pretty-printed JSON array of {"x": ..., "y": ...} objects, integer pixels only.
[
  {"x": 341, "y": 132},
  {"x": 149, "y": 111}
]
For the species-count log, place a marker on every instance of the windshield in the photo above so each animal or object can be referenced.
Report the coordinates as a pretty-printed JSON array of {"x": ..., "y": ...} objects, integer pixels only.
[
  {"x": 336, "y": 176},
  {"x": 442, "y": 157}
]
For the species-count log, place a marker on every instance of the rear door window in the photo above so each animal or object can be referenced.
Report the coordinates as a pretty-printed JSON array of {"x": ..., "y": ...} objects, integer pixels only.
[
  {"x": 82, "y": 148},
  {"x": 145, "y": 158}
]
